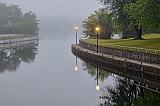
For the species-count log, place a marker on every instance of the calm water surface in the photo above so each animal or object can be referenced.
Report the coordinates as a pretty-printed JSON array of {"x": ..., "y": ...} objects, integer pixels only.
[{"x": 45, "y": 75}]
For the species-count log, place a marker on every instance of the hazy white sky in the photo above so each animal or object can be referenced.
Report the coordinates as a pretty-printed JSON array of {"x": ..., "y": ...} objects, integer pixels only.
[{"x": 51, "y": 8}]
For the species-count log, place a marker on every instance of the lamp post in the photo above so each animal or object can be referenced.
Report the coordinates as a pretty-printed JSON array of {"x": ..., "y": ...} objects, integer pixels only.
[
  {"x": 97, "y": 85},
  {"x": 97, "y": 31},
  {"x": 76, "y": 28}
]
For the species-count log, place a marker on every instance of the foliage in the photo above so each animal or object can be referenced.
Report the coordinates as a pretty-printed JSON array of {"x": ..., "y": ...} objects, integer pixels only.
[
  {"x": 100, "y": 18},
  {"x": 138, "y": 15},
  {"x": 145, "y": 13},
  {"x": 13, "y": 21},
  {"x": 28, "y": 24},
  {"x": 122, "y": 21}
]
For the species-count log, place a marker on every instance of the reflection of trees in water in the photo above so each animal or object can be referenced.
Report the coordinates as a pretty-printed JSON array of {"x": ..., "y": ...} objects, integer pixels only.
[
  {"x": 10, "y": 59},
  {"x": 149, "y": 99},
  {"x": 128, "y": 94},
  {"x": 8, "y": 62},
  {"x": 125, "y": 93},
  {"x": 92, "y": 70}
]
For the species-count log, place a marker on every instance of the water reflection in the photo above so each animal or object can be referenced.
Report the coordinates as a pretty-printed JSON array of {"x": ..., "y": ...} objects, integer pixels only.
[
  {"x": 93, "y": 70},
  {"x": 97, "y": 86},
  {"x": 76, "y": 65},
  {"x": 125, "y": 92},
  {"x": 13, "y": 54},
  {"x": 128, "y": 94}
]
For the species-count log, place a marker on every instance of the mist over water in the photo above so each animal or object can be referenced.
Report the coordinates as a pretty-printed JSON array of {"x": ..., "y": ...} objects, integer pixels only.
[
  {"x": 51, "y": 79},
  {"x": 58, "y": 18},
  {"x": 43, "y": 72}
]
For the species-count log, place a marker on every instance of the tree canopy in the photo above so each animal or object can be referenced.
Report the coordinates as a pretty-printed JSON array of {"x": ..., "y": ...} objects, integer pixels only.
[
  {"x": 13, "y": 21},
  {"x": 145, "y": 13},
  {"x": 100, "y": 18},
  {"x": 140, "y": 15}
]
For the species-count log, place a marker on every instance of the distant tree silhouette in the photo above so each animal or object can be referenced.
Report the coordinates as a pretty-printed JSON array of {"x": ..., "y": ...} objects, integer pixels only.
[{"x": 13, "y": 21}]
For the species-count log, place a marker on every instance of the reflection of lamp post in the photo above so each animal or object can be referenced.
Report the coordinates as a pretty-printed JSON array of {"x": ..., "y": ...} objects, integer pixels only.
[
  {"x": 76, "y": 28},
  {"x": 97, "y": 31},
  {"x": 97, "y": 86},
  {"x": 76, "y": 67}
]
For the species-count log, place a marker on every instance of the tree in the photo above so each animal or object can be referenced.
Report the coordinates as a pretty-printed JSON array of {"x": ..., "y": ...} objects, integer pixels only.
[
  {"x": 4, "y": 12},
  {"x": 28, "y": 24},
  {"x": 14, "y": 17},
  {"x": 102, "y": 19},
  {"x": 12, "y": 21},
  {"x": 144, "y": 14},
  {"x": 122, "y": 21},
  {"x": 138, "y": 14}
]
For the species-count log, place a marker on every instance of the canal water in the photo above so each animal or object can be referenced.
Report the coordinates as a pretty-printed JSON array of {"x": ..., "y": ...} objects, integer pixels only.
[{"x": 44, "y": 74}]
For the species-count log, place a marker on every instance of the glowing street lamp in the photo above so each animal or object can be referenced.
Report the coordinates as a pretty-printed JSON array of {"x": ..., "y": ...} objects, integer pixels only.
[
  {"x": 97, "y": 31},
  {"x": 76, "y": 28}
]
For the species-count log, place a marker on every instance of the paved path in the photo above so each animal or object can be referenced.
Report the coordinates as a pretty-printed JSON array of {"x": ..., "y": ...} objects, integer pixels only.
[{"x": 117, "y": 58}]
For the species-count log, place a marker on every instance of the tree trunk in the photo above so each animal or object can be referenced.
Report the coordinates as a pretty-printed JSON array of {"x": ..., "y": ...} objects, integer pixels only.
[{"x": 138, "y": 32}]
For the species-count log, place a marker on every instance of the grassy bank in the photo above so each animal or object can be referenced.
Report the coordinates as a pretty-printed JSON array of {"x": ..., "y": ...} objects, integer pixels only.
[
  {"x": 151, "y": 41},
  {"x": 12, "y": 36}
]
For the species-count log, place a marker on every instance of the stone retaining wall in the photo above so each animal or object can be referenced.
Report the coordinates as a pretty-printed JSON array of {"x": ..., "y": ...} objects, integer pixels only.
[
  {"x": 141, "y": 73},
  {"x": 146, "y": 57}
]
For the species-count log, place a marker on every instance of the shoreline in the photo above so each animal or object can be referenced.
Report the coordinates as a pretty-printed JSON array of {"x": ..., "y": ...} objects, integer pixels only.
[
  {"x": 104, "y": 58},
  {"x": 124, "y": 53},
  {"x": 13, "y": 38},
  {"x": 146, "y": 74}
]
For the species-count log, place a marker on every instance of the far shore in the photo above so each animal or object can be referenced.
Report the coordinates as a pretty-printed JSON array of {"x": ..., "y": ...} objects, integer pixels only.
[{"x": 13, "y": 36}]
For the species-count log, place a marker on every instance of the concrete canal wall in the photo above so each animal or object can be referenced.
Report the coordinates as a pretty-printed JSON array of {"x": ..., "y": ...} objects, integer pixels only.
[
  {"x": 136, "y": 55},
  {"x": 115, "y": 60},
  {"x": 146, "y": 74}
]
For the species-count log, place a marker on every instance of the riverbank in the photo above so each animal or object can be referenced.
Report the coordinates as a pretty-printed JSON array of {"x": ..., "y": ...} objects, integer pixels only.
[
  {"x": 146, "y": 74},
  {"x": 151, "y": 43},
  {"x": 13, "y": 36},
  {"x": 100, "y": 57},
  {"x": 143, "y": 64}
]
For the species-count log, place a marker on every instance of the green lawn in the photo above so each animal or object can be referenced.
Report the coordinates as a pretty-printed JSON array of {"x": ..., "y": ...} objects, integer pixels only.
[{"x": 151, "y": 41}]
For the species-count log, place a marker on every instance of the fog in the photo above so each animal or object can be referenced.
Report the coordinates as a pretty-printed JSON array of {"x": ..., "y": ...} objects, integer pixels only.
[
  {"x": 57, "y": 17},
  {"x": 50, "y": 8}
]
